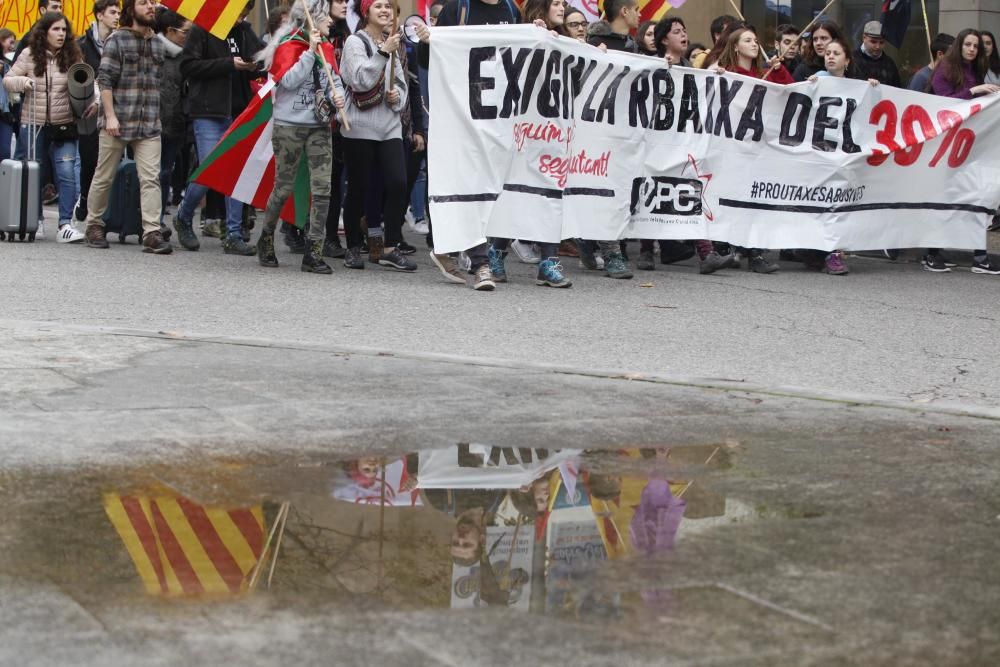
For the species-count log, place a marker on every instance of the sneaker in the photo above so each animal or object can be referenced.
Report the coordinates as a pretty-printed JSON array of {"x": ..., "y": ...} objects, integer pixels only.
[
  {"x": 526, "y": 252},
  {"x": 449, "y": 268},
  {"x": 80, "y": 210},
  {"x": 616, "y": 267},
  {"x": 645, "y": 262},
  {"x": 835, "y": 264},
  {"x": 421, "y": 227},
  {"x": 96, "y": 237},
  {"x": 598, "y": 260},
  {"x": 153, "y": 242},
  {"x": 235, "y": 245},
  {"x": 987, "y": 267},
  {"x": 353, "y": 259},
  {"x": 394, "y": 259},
  {"x": 405, "y": 248},
  {"x": 68, "y": 234},
  {"x": 713, "y": 262},
  {"x": 948, "y": 261},
  {"x": 212, "y": 228},
  {"x": 934, "y": 264},
  {"x": 185, "y": 234},
  {"x": 483, "y": 280},
  {"x": 464, "y": 262},
  {"x": 409, "y": 219},
  {"x": 497, "y": 269},
  {"x": 550, "y": 274},
  {"x": 759, "y": 264},
  {"x": 333, "y": 249},
  {"x": 891, "y": 254},
  {"x": 49, "y": 194},
  {"x": 165, "y": 231},
  {"x": 40, "y": 232}
]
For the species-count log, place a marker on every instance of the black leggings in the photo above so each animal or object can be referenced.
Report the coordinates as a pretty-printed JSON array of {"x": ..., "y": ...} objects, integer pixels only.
[
  {"x": 336, "y": 182},
  {"x": 360, "y": 155}
]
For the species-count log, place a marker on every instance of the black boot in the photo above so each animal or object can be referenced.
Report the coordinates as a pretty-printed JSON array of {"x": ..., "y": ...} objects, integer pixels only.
[
  {"x": 312, "y": 258},
  {"x": 265, "y": 249},
  {"x": 332, "y": 248},
  {"x": 294, "y": 238}
]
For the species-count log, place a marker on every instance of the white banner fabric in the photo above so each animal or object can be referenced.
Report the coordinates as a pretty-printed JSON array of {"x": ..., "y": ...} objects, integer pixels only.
[{"x": 544, "y": 138}]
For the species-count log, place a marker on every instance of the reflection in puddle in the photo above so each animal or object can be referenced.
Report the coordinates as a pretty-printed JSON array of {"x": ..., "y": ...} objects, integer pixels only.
[{"x": 556, "y": 532}]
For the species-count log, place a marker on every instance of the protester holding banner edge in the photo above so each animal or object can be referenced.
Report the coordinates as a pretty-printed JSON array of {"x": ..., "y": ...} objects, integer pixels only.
[
  {"x": 961, "y": 75},
  {"x": 460, "y": 13}
]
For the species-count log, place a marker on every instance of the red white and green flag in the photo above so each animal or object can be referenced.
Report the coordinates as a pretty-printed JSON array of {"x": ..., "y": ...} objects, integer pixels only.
[{"x": 241, "y": 165}]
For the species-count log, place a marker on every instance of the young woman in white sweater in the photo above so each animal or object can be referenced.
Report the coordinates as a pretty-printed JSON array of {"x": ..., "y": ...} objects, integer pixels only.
[{"x": 376, "y": 136}]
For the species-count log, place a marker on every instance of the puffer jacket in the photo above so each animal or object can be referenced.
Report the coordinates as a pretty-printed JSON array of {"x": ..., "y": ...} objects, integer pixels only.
[{"x": 57, "y": 97}]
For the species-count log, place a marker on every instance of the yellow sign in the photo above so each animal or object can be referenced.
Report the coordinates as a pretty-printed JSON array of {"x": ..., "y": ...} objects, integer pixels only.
[{"x": 19, "y": 15}]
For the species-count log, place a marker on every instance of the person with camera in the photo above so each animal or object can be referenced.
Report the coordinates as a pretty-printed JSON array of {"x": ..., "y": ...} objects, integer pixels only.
[
  {"x": 40, "y": 75},
  {"x": 217, "y": 74}
]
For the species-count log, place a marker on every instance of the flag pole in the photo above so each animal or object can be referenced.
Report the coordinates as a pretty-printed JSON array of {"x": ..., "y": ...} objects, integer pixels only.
[
  {"x": 781, "y": 55},
  {"x": 326, "y": 66},
  {"x": 392, "y": 59},
  {"x": 927, "y": 30},
  {"x": 738, "y": 12}
]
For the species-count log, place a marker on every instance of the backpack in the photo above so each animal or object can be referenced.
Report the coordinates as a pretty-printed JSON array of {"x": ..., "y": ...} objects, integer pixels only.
[{"x": 465, "y": 10}]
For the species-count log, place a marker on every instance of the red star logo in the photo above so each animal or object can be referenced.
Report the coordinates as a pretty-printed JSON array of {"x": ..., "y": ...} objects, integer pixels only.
[{"x": 707, "y": 178}]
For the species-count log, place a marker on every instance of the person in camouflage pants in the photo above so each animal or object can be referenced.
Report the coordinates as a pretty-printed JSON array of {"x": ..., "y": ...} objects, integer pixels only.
[
  {"x": 298, "y": 127},
  {"x": 289, "y": 143}
]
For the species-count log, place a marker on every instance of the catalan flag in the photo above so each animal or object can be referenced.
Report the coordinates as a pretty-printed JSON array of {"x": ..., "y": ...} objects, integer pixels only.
[
  {"x": 216, "y": 16},
  {"x": 654, "y": 10},
  {"x": 180, "y": 548}
]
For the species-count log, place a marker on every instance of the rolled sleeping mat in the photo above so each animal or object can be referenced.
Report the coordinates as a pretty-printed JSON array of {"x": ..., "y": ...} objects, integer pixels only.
[{"x": 81, "y": 96}]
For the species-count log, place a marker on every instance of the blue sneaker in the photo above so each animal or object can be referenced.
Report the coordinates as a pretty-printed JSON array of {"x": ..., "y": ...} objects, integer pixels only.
[
  {"x": 550, "y": 274},
  {"x": 496, "y": 265}
]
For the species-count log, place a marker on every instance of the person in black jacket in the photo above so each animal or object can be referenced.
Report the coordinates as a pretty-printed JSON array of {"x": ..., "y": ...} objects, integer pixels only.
[
  {"x": 218, "y": 75},
  {"x": 106, "y": 14},
  {"x": 870, "y": 62},
  {"x": 615, "y": 33}
]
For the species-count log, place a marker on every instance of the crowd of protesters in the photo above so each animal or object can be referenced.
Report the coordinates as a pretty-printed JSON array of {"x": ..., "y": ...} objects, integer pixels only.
[{"x": 355, "y": 106}]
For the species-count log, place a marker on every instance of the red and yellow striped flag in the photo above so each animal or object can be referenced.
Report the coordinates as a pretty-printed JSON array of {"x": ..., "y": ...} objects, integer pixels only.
[
  {"x": 183, "y": 549},
  {"x": 654, "y": 10},
  {"x": 216, "y": 16}
]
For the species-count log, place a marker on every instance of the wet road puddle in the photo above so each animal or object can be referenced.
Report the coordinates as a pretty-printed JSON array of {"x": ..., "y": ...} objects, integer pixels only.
[{"x": 579, "y": 535}]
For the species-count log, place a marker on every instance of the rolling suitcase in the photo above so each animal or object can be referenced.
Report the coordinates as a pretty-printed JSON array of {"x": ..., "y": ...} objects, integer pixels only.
[
  {"x": 124, "y": 213},
  {"x": 21, "y": 192}
]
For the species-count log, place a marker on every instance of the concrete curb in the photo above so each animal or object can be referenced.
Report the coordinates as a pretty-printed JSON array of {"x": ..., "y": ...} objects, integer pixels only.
[{"x": 716, "y": 384}]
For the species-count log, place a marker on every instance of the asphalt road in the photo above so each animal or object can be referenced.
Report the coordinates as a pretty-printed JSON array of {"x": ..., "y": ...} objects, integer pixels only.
[{"x": 886, "y": 330}]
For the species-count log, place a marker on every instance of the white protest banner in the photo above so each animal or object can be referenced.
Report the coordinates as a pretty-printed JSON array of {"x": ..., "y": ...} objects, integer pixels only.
[
  {"x": 475, "y": 466},
  {"x": 544, "y": 138}
]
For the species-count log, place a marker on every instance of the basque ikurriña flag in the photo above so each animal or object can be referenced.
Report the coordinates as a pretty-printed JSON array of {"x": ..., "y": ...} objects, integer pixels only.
[
  {"x": 241, "y": 165},
  {"x": 895, "y": 20},
  {"x": 216, "y": 16}
]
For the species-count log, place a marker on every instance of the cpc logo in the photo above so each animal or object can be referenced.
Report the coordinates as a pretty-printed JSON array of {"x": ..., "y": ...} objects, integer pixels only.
[{"x": 663, "y": 195}]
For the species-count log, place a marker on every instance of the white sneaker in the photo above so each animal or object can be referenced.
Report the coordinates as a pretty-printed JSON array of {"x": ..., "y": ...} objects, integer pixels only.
[
  {"x": 409, "y": 219},
  {"x": 464, "y": 262},
  {"x": 421, "y": 227},
  {"x": 67, "y": 234},
  {"x": 40, "y": 233},
  {"x": 599, "y": 260},
  {"x": 526, "y": 252}
]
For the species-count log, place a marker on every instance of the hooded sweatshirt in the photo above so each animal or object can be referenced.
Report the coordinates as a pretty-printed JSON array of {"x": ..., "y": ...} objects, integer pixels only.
[{"x": 297, "y": 71}]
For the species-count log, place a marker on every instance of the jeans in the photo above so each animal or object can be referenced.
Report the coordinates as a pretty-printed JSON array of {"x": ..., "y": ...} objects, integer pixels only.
[
  {"x": 6, "y": 135},
  {"x": 62, "y": 156},
  {"x": 147, "y": 164},
  {"x": 207, "y": 132},
  {"x": 170, "y": 148},
  {"x": 418, "y": 193}
]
